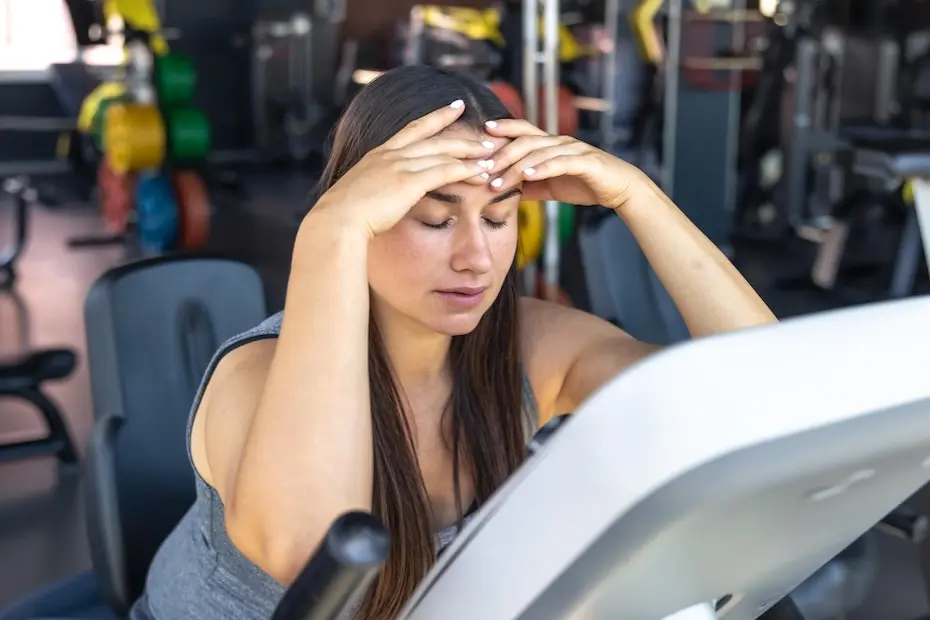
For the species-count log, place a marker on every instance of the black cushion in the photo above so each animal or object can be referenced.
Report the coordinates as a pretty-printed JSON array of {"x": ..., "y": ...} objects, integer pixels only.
[
  {"x": 152, "y": 328},
  {"x": 29, "y": 370}
]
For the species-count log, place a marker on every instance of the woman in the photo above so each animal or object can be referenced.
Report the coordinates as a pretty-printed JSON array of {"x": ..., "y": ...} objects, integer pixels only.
[{"x": 407, "y": 375}]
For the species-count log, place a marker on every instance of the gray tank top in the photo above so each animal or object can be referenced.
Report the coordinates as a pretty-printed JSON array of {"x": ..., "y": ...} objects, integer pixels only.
[{"x": 197, "y": 573}]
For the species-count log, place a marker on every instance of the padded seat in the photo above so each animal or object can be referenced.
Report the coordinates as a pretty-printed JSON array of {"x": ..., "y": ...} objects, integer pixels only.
[{"x": 31, "y": 369}]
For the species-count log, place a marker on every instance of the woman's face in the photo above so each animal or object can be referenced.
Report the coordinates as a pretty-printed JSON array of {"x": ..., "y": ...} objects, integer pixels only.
[{"x": 443, "y": 265}]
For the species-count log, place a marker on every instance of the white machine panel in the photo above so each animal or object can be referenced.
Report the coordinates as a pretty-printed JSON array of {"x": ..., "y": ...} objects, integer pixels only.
[{"x": 734, "y": 465}]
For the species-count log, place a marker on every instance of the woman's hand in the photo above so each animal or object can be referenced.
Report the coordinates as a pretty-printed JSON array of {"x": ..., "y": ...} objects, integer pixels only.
[
  {"x": 380, "y": 189},
  {"x": 558, "y": 167}
]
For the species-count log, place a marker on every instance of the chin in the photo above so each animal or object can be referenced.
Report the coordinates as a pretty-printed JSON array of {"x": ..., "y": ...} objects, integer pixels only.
[{"x": 454, "y": 324}]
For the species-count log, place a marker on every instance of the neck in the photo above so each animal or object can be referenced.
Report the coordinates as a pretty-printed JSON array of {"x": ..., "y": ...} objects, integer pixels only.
[{"x": 419, "y": 357}]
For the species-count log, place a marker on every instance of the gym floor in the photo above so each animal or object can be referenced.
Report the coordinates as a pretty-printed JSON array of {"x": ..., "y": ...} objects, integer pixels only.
[{"x": 41, "y": 518}]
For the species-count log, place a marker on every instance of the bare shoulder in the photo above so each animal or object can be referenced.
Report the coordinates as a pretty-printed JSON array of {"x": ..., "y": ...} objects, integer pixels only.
[
  {"x": 225, "y": 410},
  {"x": 568, "y": 353}
]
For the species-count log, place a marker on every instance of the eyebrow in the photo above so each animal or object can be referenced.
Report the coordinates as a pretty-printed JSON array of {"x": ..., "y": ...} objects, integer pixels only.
[{"x": 455, "y": 199}]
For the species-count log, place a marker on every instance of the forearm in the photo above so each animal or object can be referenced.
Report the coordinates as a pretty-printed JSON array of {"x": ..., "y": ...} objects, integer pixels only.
[
  {"x": 308, "y": 457},
  {"x": 707, "y": 289}
]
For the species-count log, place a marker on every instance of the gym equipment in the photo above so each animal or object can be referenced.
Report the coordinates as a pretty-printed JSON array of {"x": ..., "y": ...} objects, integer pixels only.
[
  {"x": 347, "y": 560},
  {"x": 531, "y": 224},
  {"x": 24, "y": 377},
  {"x": 143, "y": 382},
  {"x": 140, "y": 15},
  {"x": 711, "y": 522},
  {"x": 156, "y": 214},
  {"x": 194, "y": 209},
  {"x": 510, "y": 97},
  {"x": 567, "y": 112},
  {"x": 174, "y": 79},
  {"x": 134, "y": 137},
  {"x": 566, "y": 222},
  {"x": 23, "y": 196},
  {"x": 98, "y": 124},
  {"x": 188, "y": 134},
  {"x": 116, "y": 197}
]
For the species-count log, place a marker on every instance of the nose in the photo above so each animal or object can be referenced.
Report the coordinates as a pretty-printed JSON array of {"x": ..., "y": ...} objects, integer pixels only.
[{"x": 472, "y": 251}]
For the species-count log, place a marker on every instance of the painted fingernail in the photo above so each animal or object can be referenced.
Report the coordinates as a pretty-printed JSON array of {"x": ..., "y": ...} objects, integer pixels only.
[
  {"x": 487, "y": 164},
  {"x": 457, "y": 104},
  {"x": 497, "y": 182},
  {"x": 529, "y": 172},
  {"x": 491, "y": 124},
  {"x": 484, "y": 176},
  {"x": 487, "y": 144}
]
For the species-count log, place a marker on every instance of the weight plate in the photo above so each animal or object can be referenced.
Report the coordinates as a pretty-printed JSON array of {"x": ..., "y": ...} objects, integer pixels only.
[
  {"x": 98, "y": 125},
  {"x": 115, "y": 195},
  {"x": 566, "y": 222},
  {"x": 156, "y": 214},
  {"x": 134, "y": 137},
  {"x": 560, "y": 296},
  {"x": 194, "y": 209},
  {"x": 188, "y": 134},
  {"x": 531, "y": 232},
  {"x": 567, "y": 115},
  {"x": 174, "y": 79},
  {"x": 510, "y": 97}
]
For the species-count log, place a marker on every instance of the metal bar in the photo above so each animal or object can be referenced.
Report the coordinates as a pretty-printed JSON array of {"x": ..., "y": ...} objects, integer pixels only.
[
  {"x": 672, "y": 83},
  {"x": 805, "y": 62},
  {"x": 530, "y": 60},
  {"x": 713, "y": 63},
  {"x": 37, "y": 124},
  {"x": 609, "y": 77},
  {"x": 551, "y": 83}
]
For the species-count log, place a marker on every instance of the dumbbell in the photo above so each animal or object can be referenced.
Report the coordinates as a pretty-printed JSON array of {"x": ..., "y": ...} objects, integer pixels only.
[{"x": 349, "y": 558}]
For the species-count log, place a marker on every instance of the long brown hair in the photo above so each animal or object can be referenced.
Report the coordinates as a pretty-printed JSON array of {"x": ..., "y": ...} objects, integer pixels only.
[{"x": 487, "y": 428}]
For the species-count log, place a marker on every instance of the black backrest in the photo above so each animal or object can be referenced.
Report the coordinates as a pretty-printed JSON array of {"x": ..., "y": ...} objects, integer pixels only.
[{"x": 152, "y": 328}]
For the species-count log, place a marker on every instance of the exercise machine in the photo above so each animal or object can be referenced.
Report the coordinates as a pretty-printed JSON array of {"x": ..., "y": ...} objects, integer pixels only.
[
  {"x": 705, "y": 500},
  {"x": 653, "y": 501}
]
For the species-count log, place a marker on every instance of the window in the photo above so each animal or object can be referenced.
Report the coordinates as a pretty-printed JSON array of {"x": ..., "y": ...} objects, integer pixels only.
[{"x": 37, "y": 33}]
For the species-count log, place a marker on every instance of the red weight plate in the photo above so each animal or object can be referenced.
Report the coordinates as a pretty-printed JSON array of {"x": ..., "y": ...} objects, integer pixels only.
[
  {"x": 115, "y": 197},
  {"x": 194, "y": 209},
  {"x": 561, "y": 297},
  {"x": 510, "y": 97}
]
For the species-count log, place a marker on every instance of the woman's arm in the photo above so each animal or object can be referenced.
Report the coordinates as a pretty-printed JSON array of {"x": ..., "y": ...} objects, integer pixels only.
[
  {"x": 570, "y": 354},
  {"x": 707, "y": 289},
  {"x": 307, "y": 457}
]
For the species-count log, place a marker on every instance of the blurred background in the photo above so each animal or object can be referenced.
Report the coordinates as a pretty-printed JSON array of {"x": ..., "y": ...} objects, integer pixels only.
[{"x": 795, "y": 134}]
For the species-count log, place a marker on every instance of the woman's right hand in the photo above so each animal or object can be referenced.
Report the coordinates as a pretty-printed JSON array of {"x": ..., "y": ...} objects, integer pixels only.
[{"x": 380, "y": 189}]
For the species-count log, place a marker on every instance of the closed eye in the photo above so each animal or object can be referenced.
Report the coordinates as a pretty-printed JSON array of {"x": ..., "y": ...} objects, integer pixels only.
[{"x": 495, "y": 224}]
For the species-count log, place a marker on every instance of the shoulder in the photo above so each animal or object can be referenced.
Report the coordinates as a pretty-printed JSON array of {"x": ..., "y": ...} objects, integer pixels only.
[{"x": 568, "y": 353}]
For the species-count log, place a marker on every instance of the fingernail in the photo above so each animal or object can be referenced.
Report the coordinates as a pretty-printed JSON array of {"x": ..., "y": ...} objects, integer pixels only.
[
  {"x": 497, "y": 182},
  {"x": 529, "y": 172},
  {"x": 487, "y": 144},
  {"x": 485, "y": 176},
  {"x": 457, "y": 104},
  {"x": 491, "y": 124},
  {"x": 487, "y": 164}
]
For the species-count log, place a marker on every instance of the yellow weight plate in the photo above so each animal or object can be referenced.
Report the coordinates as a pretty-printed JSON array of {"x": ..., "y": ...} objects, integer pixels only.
[
  {"x": 134, "y": 138},
  {"x": 531, "y": 234}
]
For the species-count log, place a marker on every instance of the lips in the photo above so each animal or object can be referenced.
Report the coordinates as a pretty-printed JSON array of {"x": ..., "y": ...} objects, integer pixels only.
[{"x": 467, "y": 291}]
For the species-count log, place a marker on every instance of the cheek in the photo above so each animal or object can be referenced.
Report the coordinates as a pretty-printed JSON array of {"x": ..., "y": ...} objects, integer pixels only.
[
  {"x": 504, "y": 248},
  {"x": 401, "y": 255}
]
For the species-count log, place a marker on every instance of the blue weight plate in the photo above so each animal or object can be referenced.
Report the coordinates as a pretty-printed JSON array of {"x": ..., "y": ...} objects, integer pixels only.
[{"x": 156, "y": 214}]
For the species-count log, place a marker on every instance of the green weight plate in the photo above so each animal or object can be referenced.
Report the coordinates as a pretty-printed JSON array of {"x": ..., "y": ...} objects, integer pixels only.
[
  {"x": 566, "y": 222},
  {"x": 188, "y": 135},
  {"x": 175, "y": 79}
]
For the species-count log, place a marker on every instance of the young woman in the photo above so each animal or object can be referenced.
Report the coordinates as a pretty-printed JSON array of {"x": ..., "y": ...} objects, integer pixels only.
[{"x": 406, "y": 374}]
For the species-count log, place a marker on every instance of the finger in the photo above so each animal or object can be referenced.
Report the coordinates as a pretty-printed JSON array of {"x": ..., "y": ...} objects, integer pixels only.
[
  {"x": 512, "y": 128},
  {"x": 520, "y": 148},
  {"x": 534, "y": 167},
  {"x": 453, "y": 147},
  {"x": 427, "y": 126},
  {"x": 435, "y": 171}
]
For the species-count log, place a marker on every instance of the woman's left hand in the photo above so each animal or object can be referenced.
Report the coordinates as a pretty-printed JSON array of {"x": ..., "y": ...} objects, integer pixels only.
[{"x": 558, "y": 167}]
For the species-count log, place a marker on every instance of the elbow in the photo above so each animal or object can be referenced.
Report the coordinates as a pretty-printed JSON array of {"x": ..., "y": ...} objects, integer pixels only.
[{"x": 270, "y": 548}]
